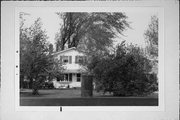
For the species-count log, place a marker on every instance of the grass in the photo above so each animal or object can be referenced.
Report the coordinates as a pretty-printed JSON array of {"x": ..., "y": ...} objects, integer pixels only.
[{"x": 72, "y": 97}]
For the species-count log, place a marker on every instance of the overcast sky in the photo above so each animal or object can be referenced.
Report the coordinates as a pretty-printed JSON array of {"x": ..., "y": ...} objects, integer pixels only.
[{"x": 139, "y": 18}]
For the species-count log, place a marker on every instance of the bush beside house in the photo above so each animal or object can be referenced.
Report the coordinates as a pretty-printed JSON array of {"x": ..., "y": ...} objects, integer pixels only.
[{"x": 127, "y": 72}]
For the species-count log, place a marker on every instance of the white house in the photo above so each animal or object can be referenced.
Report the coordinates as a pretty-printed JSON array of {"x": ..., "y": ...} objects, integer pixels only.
[{"x": 73, "y": 69}]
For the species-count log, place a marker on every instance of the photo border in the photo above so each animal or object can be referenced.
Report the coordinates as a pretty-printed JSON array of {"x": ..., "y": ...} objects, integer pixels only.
[{"x": 161, "y": 93}]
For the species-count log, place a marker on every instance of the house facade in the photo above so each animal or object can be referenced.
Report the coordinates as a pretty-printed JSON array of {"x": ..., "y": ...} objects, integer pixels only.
[{"x": 72, "y": 74}]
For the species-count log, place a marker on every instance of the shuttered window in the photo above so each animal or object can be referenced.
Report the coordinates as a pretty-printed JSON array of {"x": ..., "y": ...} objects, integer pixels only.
[
  {"x": 66, "y": 59},
  {"x": 80, "y": 59}
]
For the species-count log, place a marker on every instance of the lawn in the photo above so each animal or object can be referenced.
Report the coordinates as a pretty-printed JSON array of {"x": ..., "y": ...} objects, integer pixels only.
[{"x": 72, "y": 97}]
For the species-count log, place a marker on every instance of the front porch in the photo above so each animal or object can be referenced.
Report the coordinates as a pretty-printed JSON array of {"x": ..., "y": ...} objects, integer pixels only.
[{"x": 68, "y": 80}]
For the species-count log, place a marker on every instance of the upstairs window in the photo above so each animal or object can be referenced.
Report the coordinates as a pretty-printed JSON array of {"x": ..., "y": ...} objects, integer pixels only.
[
  {"x": 80, "y": 59},
  {"x": 66, "y": 59}
]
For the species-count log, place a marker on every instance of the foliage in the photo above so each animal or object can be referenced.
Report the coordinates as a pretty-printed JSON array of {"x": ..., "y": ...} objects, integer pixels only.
[
  {"x": 126, "y": 72},
  {"x": 151, "y": 36},
  {"x": 36, "y": 59},
  {"x": 91, "y": 32}
]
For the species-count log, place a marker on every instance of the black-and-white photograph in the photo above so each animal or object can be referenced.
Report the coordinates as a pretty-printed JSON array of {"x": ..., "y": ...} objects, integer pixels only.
[{"x": 88, "y": 58}]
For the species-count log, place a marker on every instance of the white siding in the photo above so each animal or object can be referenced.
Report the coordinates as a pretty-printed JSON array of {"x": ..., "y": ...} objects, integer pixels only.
[{"x": 73, "y": 65}]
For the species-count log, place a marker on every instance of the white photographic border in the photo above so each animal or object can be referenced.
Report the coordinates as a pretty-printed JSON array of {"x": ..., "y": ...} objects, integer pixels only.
[{"x": 160, "y": 106}]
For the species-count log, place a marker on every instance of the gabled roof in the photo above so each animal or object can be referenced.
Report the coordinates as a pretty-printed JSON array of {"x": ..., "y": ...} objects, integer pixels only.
[
  {"x": 69, "y": 49},
  {"x": 73, "y": 48}
]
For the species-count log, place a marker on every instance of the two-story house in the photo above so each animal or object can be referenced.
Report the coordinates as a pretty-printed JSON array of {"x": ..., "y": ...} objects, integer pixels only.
[{"x": 73, "y": 69}]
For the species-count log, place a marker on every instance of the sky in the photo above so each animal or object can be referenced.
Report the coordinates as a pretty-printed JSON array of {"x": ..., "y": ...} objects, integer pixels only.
[{"x": 138, "y": 18}]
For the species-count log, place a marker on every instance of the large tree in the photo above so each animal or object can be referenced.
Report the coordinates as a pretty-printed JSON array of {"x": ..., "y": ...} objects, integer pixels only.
[
  {"x": 91, "y": 32},
  {"x": 36, "y": 59},
  {"x": 151, "y": 36}
]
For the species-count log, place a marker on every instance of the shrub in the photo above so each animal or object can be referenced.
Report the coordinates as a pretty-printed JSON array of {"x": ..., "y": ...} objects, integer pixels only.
[{"x": 124, "y": 73}]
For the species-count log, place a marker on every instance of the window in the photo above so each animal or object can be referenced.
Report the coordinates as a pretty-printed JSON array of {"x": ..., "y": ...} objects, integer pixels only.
[
  {"x": 66, "y": 59},
  {"x": 66, "y": 77},
  {"x": 60, "y": 77},
  {"x": 80, "y": 59},
  {"x": 78, "y": 77},
  {"x": 70, "y": 77}
]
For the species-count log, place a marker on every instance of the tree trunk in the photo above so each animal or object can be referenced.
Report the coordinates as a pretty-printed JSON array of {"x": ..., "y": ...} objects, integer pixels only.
[
  {"x": 35, "y": 92},
  {"x": 31, "y": 83},
  {"x": 35, "y": 87},
  {"x": 70, "y": 32}
]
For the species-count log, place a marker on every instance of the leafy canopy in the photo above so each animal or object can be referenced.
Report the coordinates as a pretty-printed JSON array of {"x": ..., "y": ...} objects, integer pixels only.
[
  {"x": 35, "y": 52},
  {"x": 91, "y": 32},
  {"x": 151, "y": 36}
]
